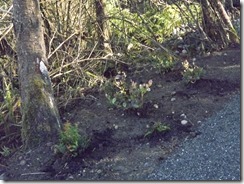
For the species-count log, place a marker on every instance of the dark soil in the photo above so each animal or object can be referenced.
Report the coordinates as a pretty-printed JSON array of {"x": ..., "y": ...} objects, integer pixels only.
[{"x": 119, "y": 149}]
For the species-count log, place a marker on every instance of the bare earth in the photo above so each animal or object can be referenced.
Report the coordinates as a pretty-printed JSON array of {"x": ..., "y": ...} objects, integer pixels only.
[{"x": 119, "y": 149}]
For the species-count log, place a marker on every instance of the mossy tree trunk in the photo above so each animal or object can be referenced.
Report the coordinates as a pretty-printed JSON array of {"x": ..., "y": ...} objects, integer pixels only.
[
  {"x": 217, "y": 24},
  {"x": 40, "y": 117}
]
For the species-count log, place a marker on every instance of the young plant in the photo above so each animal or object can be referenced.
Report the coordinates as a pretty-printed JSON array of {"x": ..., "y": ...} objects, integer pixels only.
[
  {"x": 126, "y": 95},
  {"x": 71, "y": 142},
  {"x": 191, "y": 73},
  {"x": 163, "y": 62},
  {"x": 5, "y": 151},
  {"x": 157, "y": 127}
]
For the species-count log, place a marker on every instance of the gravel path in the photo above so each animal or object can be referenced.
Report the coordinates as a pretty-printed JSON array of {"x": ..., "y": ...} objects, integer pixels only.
[{"x": 213, "y": 155}]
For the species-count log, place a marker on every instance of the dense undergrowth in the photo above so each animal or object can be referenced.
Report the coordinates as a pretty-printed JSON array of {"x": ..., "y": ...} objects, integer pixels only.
[{"x": 156, "y": 34}]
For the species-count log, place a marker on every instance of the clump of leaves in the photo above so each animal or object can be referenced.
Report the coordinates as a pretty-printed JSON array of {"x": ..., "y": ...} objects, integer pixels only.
[
  {"x": 71, "y": 142},
  {"x": 153, "y": 24},
  {"x": 163, "y": 63},
  {"x": 126, "y": 95},
  {"x": 5, "y": 151},
  {"x": 191, "y": 73},
  {"x": 157, "y": 127}
]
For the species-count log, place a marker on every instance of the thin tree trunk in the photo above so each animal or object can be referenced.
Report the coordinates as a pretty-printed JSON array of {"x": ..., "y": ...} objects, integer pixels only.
[
  {"x": 40, "y": 117},
  {"x": 102, "y": 27},
  {"x": 217, "y": 24}
]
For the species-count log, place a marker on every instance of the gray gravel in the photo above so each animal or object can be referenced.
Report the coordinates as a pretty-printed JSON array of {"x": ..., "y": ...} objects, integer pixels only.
[{"x": 213, "y": 155}]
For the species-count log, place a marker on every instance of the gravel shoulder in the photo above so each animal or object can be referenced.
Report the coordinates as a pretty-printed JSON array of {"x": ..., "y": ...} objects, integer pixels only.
[{"x": 213, "y": 155}]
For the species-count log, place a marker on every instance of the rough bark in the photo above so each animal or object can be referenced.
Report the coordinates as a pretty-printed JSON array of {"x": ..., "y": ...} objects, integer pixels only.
[
  {"x": 217, "y": 24},
  {"x": 102, "y": 27},
  {"x": 40, "y": 117}
]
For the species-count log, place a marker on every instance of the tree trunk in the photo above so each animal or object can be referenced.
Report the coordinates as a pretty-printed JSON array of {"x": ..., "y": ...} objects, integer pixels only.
[
  {"x": 40, "y": 117},
  {"x": 217, "y": 24},
  {"x": 102, "y": 27}
]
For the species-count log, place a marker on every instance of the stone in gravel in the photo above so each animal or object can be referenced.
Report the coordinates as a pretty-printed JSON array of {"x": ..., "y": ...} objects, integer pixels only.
[
  {"x": 184, "y": 122},
  {"x": 22, "y": 162}
]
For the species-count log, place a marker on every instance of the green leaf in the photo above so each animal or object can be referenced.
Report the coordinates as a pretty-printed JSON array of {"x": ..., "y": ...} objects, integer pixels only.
[
  {"x": 124, "y": 104},
  {"x": 148, "y": 133},
  {"x": 113, "y": 100}
]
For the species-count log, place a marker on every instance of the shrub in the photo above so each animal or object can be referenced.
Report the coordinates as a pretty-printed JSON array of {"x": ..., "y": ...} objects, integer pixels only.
[
  {"x": 71, "y": 142},
  {"x": 126, "y": 95},
  {"x": 191, "y": 73}
]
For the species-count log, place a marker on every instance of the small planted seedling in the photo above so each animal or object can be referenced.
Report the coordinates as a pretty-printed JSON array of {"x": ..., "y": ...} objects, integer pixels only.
[
  {"x": 126, "y": 95},
  {"x": 71, "y": 142},
  {"x": 157, "y": 127},
  {"x": 164, "y": 63},
  {"x": 5, "y": 151},
  {"x": 191, "y": 73}
]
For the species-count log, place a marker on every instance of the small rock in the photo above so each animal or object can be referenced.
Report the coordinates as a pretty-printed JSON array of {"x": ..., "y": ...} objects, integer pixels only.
[
  {"x": 177, "y": 52},
  {"x": 183, "y": 115},
  {"x": 173, "y": 99},
  {"x": 71, "y": 177},
  {"x": 116, "y": 127},
  {"x": 184, "y": 122},
  {"x": 99, "y": 171},
  {"x": 146, "y": 164},
  {"x": 184, "y": 51},
  {"x": 22, "y": 162},
  {"x": 155, "y": 106}
]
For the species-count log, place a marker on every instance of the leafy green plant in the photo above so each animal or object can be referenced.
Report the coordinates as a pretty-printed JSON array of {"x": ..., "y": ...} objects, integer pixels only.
[
  {"x": 157, "y": 127},
  {"x": 126, "y": 95},
  {"x": 151, "y": 25},
  {"x": 71, "y": 142},
  {"x": 191, "y": 73},
  {"x": 162, "y": 63},
  {"x": 5, "y": 151}
]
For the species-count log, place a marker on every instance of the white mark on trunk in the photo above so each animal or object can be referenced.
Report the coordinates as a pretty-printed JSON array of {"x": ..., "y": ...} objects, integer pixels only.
[
  {"x": 51, "y": 101},
  {"x": 43, "y": 68}
]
